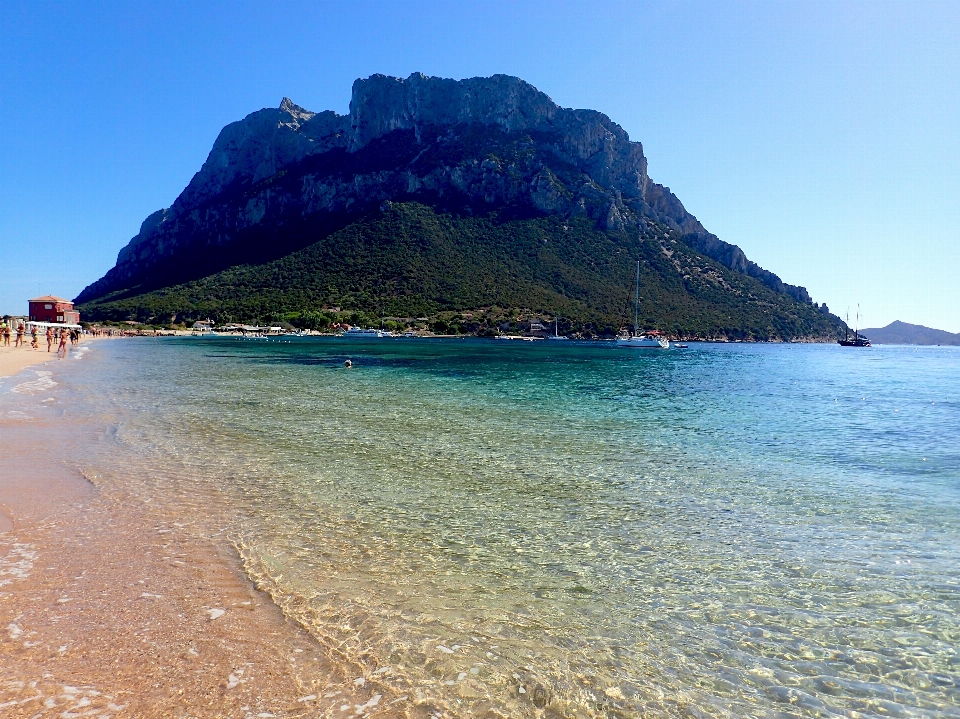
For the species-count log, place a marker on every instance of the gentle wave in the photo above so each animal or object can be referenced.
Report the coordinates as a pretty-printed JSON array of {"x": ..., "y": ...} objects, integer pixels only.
[
  {"x": 16, "y": 561},
  {"x": 43, "y": 382}
]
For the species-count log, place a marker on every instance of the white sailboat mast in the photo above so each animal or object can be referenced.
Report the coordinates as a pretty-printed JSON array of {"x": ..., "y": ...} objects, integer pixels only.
[{"x": 636, "y": 302}]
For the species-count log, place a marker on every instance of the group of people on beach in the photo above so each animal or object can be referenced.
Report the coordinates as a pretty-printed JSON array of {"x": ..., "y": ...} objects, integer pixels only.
[
  {"x": 54, "y": 335},
  {"x": 104, "y": 332}
]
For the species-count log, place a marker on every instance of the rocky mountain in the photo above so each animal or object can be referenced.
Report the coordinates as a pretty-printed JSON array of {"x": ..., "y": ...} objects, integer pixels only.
[
  {"x": 904, "y": 333},
  {"x": 281, "y": 180}
]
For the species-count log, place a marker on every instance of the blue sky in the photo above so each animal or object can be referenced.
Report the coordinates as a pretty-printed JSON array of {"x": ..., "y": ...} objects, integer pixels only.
[{"x": 823, "y": 138}]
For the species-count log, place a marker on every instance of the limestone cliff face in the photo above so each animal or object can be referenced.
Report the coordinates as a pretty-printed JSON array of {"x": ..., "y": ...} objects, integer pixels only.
[
  {"x": 469, "y": 146},
  {"x": 589, "y": 139}
]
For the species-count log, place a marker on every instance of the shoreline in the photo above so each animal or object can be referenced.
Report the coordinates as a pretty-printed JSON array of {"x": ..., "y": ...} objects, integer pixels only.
[
  {"x": 14, "y": 360},
  {"x": 527, "y": 338},
  {"x": 110, "y": 604}
]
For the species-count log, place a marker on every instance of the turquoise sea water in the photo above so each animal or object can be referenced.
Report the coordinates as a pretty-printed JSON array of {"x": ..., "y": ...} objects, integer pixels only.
[{"x": 537, "y": 529}]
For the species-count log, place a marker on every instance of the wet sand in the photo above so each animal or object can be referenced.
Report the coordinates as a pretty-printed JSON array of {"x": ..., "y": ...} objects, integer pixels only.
[{"x": 109, "y": 608}]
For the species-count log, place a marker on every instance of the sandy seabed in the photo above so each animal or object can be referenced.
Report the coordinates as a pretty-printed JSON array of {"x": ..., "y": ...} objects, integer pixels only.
[{"x": 110, "y": 608}]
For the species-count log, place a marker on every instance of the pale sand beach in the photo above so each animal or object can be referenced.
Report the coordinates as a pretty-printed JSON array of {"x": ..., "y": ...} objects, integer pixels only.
[
  {"x": 109, "y": 608},
  {"x": 13, "y": 360}
]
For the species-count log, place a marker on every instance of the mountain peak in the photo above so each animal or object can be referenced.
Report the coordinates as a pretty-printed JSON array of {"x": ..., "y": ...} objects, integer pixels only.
[{"x": 289, "y": 107}]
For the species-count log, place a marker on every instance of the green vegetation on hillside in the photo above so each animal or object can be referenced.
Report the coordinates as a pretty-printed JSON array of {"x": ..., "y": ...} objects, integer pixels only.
[{"x": 475, "y": 273}]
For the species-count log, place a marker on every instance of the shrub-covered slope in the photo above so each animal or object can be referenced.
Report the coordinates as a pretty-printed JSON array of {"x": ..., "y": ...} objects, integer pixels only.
[{"x": 408, "y": 260}]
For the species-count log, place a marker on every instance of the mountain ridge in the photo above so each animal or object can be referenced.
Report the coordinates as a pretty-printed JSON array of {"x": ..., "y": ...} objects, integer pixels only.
[
  {"x": 483, "y": 275},
  {"x": 904, "y": 333},
  {"x": 616, "y": 191},
  {"x": 283, "y": 178}
]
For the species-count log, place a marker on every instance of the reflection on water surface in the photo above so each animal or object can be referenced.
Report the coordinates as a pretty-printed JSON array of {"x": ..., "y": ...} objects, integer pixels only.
[{"x": 523, "y": 529}]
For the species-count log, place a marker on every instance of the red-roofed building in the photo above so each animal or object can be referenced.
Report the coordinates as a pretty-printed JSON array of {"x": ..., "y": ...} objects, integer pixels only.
[{"x": 53, "y": 309}]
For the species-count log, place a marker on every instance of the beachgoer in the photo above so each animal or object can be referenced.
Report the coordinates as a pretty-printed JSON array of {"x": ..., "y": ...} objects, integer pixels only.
[
  {"x": 49, "y": 338},
  {"x": 62, "y": 349},
  {"x": 6, "y": 335},
  {"x": 19, "y": 341},
  {"x": 33, "y": 338}
]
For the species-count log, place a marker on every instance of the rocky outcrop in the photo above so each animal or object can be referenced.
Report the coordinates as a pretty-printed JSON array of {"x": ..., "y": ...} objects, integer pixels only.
[{"x": 468, "y": 146}]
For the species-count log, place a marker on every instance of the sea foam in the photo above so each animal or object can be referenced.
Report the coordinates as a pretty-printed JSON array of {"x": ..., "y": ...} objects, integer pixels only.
[{"x": 41, "y": 383}]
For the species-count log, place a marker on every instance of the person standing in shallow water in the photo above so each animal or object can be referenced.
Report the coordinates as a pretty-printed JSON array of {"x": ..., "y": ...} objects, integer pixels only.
[{"x": 62, "y": 349}]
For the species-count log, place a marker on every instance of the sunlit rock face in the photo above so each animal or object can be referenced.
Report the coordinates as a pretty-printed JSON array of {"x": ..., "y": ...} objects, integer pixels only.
[{"x": 467, "y": 146}]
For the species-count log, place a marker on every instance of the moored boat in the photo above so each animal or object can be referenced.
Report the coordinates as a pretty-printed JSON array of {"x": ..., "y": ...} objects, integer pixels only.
[
  {"x": 858, "y": 340},
  {"x": 369, "y": 334},
  {"x": 556, "y": 335},
  {"x": 648, "y": 339}
]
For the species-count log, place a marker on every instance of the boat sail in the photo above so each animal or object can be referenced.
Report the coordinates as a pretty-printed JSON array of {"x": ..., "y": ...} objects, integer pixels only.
[{"x": 649, "y": 339}]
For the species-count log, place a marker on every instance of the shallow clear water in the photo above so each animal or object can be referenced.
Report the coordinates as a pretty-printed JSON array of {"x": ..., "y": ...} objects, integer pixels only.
[{"x": 529, "y": 528}]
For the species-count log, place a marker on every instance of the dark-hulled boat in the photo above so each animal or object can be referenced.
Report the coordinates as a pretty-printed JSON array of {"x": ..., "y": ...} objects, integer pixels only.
[{"x": 858, "y": 340}]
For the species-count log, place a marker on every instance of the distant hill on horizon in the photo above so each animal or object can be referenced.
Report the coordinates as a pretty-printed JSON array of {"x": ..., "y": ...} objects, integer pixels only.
[{"x": 904, "y": 333}]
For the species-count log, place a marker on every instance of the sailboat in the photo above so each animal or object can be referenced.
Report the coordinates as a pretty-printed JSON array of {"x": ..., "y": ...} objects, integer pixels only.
[
  {"x": 649, "y": 339},
  {"x": 858, "y": 340},
  {"x": 556, "y": 334}
]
